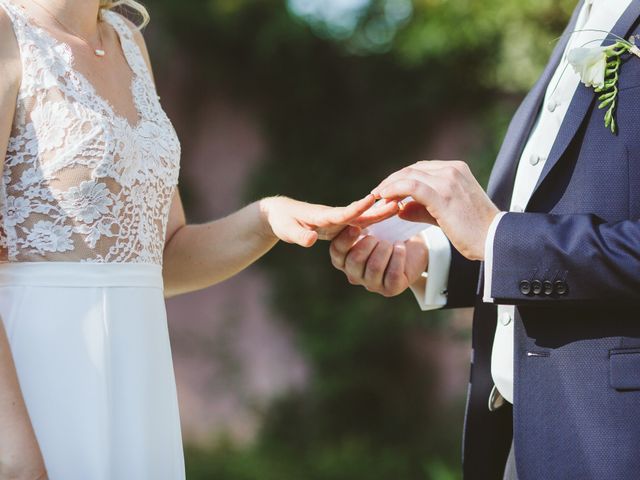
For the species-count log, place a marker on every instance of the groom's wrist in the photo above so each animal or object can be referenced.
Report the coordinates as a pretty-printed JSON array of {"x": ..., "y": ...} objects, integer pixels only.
[{"x": 431, "y": 289}]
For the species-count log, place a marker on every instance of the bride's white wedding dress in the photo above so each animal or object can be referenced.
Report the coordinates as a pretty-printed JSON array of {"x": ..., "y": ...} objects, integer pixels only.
[{"x": 84, "y": 203}]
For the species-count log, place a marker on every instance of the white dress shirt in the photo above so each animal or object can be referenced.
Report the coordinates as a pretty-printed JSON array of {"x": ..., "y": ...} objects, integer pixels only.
[{"x": 595, "y": 15}]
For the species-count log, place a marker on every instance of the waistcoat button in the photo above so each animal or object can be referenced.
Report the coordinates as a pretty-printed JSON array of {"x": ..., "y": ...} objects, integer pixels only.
[{"x": 505, "y": 318}]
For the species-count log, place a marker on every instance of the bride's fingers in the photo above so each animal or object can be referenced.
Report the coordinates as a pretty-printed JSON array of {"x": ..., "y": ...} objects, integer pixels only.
[
  {"x": 343, "y": 215},
  {"x": 377, "y": 214},
  {"x": 416, "y": 212}
]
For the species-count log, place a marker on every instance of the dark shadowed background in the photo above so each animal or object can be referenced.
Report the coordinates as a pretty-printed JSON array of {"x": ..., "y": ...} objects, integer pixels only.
[{"x": 287, "y": 372}]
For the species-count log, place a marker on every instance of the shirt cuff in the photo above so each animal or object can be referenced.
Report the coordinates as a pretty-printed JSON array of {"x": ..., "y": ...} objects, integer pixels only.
[
  {"x": 488, "y": 257},
  {"x": 431, "y": 290}
]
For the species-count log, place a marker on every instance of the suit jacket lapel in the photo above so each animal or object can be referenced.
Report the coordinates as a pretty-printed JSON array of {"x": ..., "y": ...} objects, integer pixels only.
[
  {"x": 501, "y": 182},
  {"x": 582, "y": 101}
]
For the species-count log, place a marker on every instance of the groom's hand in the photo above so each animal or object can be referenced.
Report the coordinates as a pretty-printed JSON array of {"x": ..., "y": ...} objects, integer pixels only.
[
  {"x": 448, "y": 195},
  {"x": 377, "y": 265}
]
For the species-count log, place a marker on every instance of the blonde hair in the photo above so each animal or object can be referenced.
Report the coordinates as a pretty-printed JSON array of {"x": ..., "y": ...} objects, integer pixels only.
[{"x": 132, "y": 4}]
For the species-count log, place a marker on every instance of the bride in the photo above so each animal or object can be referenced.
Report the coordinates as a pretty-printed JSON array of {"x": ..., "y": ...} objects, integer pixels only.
[{"x": 93, "y": 238}]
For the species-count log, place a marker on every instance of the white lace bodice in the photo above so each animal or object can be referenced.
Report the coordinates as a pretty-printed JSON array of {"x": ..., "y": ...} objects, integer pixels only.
[{"x": 80, "y": 182}]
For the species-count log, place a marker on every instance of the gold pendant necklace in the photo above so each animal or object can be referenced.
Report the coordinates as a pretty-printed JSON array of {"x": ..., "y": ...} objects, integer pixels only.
[{"x": 99, "y": 52}]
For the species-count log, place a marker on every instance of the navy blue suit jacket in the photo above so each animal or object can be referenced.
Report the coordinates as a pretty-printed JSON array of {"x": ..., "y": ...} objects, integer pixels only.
[{"x": 576, "y": 411}]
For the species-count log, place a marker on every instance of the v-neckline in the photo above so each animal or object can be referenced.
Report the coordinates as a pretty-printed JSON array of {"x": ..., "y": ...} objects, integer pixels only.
[{"x": 89, "y": 88}]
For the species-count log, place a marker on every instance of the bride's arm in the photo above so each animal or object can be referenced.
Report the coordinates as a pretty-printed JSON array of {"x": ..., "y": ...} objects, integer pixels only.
[
  {"x": 198, "y": 256},
  {"x": 20, "y": 456}
]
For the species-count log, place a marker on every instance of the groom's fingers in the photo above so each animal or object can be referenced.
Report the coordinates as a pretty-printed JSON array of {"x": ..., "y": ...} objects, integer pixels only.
[
  {"x": 394, "y": 177},
  {"x": 357, "y": 258},
  {"x": 341, "y": 245},
  {"x": 449, "y": 165},
  {"x": 414, "y": 172},
  {"x": 394, "y": 279},
  {"x": 422, "y": 191},
  {"x": 416, "y": 212},
  {"x": 376, "y": 266},
  {"x": 410, "y": 175}
]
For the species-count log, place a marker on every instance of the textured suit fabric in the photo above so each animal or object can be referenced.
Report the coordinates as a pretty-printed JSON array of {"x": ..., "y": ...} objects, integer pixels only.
[{"x": 576, "y": 412}]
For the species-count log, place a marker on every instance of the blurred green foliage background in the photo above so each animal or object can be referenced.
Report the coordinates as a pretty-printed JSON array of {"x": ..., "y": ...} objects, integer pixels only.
[{"x": 346, "y": 92}]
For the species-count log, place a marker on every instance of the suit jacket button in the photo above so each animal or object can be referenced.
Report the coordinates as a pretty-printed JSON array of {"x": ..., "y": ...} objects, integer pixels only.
[
  {"x": 525, "y": 287},
  {"x": 547, "y": 287},
  {"x": 536, "y": 287},
  {"x": 561, "y": 287}
]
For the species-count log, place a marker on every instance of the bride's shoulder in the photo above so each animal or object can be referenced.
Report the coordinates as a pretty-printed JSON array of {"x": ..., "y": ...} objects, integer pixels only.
[
  {"x": 9, "y": 51},
  {"x": 10, "y": 79},
  {"x": 7, "y": 33}
]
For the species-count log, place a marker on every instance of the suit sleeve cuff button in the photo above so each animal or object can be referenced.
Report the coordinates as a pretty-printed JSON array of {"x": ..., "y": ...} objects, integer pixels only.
[
  {"x": 561, "y": 287},
  {"x": 536, "y": 287},
  {"x": 525, "y": 287}
]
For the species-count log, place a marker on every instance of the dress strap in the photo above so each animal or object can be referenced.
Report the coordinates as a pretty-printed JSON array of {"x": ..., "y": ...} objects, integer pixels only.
[{"x": 130, "y": 47}]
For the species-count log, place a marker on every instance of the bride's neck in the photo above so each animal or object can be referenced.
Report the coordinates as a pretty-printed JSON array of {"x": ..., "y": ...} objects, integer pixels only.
[{"x": 81, "y": 16}]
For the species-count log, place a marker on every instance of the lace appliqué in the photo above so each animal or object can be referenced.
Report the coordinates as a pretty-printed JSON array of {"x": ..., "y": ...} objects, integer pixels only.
[{"x": 80, "y": 183}]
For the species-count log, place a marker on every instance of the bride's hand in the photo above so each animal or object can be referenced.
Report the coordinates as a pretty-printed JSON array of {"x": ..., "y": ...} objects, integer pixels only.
[{"x": 305, "y": 223}]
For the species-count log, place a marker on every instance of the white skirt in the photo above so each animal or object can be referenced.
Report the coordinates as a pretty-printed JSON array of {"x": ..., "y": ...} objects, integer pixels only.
[{"x": 92, "y": 352}]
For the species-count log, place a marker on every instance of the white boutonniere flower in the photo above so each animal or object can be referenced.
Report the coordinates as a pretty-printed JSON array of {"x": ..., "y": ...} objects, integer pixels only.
[
  {"x": 590, "y": 64},
  {"x": 599, "y": 67}
]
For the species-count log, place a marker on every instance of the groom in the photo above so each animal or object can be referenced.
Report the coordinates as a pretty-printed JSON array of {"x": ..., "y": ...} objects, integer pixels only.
[{"x": 550, "y": 258}]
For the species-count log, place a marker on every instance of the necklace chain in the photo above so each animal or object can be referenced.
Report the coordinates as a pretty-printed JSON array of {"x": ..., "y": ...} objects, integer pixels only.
[{"x": 99, "y": 52}]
